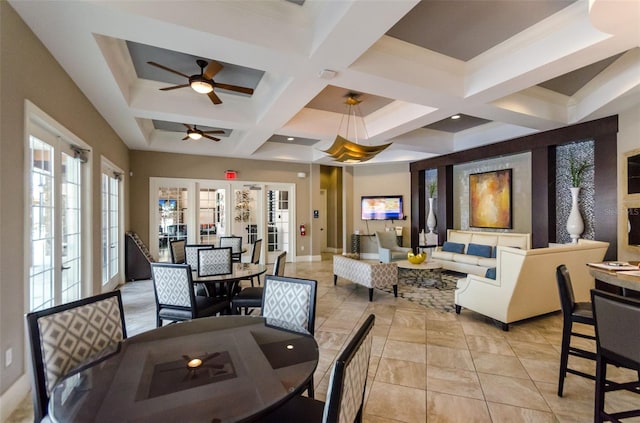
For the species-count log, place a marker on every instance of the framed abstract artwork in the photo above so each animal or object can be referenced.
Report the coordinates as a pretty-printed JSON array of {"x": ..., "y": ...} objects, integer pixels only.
[{"x": 490, "y": 199}]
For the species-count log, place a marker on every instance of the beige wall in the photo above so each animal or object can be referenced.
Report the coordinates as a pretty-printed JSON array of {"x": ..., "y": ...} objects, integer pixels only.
[
  {"x": 331, "y": 181},
  {"x": 385, "y": 179},
  {"x": 147, "y": 164},
  {"x": 29, "y": 72}
]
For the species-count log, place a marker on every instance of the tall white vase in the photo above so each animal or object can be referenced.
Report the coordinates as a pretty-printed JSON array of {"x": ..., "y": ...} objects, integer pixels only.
[
  {"x": 575, "y": 225},
  {"x": 431, "y": 218}
]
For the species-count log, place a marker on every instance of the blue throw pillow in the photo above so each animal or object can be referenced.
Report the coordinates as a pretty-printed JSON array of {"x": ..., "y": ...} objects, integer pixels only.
[
  {"x": 494, "y": 252},
  {"x": 453, "y": 247},
  {"x": 491, "y": 273},
  {"x": 479, "y": 250}
]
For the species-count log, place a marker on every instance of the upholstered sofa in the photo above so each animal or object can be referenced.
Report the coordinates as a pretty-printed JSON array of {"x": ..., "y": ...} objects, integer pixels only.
[
  {"x": 366, "y": 273},
  {"x": 474, "y": 252},
  {"x": 525, "y": 283}
]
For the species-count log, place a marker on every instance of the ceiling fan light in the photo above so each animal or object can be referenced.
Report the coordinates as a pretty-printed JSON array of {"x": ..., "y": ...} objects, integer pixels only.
[
  {"x": 201, "y": 85},
  {"x": 194, "y": 135}
]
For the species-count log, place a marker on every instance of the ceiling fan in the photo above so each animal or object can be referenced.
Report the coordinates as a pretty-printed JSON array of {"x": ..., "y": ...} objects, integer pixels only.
[
  {"x": 203, "y": 83},
  {"x": 195, "y": 133}
]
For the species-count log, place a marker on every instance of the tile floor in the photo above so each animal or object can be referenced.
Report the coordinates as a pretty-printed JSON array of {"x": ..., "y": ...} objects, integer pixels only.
[{"x": 427, "y": 365}]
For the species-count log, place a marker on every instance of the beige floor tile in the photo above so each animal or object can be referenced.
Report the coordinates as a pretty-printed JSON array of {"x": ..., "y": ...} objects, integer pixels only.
[
  {"x": 542, "y": 371},
  {"x": 488, "y": 344},
  {"x": 415, "y": 319},
  {"x": 512, "y": 391},
  {"x": 396, "y": 402},
  {"x": 449, "y": 357},
  {"x": 499, "y": 365},
  {"x": 445, "y": 326},
  {"x": 330, "y": 340},
  {"x": 402, "y": 372},
  {"x": 576, "y": 404},
  {"x": 408, "y": 351},
  {"x": 446, "y": 340},
  {"x": 454, "y": 381},
  {"x": 446, "y": 408},
  {"x": 502, "y": 413},
  {"x": 418, "y": 336},
  {"x": 535, "y": 351}
]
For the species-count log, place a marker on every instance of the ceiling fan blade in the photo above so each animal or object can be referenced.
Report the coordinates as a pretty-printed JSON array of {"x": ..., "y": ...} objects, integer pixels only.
[
  {"x": 217, "y": 131},
  {"x": 214, "y": 98},
  {"x": 210, "y": 137},
  {"x": 185, "y": 138},
  {"x": 234, "y": 88},
  {"x": 212, "y": 69},
  {"x": 174, "y": 87},
  {"x": 188, "y": 127},
  {"x": 168, "y": 69}
]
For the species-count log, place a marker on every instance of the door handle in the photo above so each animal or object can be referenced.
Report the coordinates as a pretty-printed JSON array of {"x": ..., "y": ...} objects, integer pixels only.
[{"x": 65, "y": 267}]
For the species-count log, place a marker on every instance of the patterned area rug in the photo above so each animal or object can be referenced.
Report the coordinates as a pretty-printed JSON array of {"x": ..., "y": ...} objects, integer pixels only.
[{"x": 425, "y": 289}]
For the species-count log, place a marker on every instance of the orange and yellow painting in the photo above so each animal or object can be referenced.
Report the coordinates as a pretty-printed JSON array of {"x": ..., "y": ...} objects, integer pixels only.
[{"x": 490, "y": 199}]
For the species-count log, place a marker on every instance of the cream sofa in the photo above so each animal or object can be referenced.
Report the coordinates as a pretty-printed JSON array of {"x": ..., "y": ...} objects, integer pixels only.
[
  {"x": 465, "y": 263},
  {"x": 525, "y": 284},
  {"x": 367, "y": 273}
]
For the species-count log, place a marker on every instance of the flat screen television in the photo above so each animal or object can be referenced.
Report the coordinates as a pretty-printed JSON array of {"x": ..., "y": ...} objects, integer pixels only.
[{"x": 381, "y": 207}]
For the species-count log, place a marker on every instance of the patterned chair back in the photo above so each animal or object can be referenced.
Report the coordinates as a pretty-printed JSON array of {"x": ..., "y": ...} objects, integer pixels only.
[
  {"x": 348, "y": 382},
  {"x": 172, "y": 284},
  {"x": 290, "y": 299},
  {"x": 235, "y": 242},
  {"x": 214, "y": 261},
  {"x": 177, "y": 251},
  {"x": 191, "y": 254},
  {"x": 281, "y": 261},
  {"x": 67, "y": 335}
]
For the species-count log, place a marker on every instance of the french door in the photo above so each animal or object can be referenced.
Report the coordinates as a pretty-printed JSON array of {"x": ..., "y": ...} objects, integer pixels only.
[
  {"x": 55, "y": 214},
  {"x": 111, "y": 228}
]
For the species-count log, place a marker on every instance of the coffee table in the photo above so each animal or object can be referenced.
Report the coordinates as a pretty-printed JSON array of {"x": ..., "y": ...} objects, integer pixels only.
[{"x": 434, "y": 268}]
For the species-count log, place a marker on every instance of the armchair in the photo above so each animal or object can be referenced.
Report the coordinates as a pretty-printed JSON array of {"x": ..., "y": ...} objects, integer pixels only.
[{"x": 388, "y": 248}]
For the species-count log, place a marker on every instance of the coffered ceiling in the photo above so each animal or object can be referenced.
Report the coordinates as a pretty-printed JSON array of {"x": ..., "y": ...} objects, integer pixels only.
[{"x": 509, "y": 68}]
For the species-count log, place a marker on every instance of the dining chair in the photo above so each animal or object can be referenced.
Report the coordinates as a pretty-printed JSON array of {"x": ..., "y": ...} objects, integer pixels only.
[
  {"x": 617, "y": 324},
  {"x": 292, "y": 300},
  {"x": 345, "y": 397},
  {"x": 191, "y": 258},
  {"x": 256, "y": 250},
  {"x": 62, "y": 337},
  {"x": 251, "y": 297},
  {"x": 177, "y": 251},
  {"x": 175, "y": 295},
  {"x": 572, "y": 312},
  {"x": 235, "y": 242},
  {"x": 214, "y": 261}
]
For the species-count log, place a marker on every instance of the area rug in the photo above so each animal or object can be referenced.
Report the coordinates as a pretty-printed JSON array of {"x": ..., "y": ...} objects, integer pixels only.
[{"x": 427, "y": 290}]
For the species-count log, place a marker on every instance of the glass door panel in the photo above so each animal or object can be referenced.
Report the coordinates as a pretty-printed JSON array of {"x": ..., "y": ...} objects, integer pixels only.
[
  {"x": 211, "y": 217},
  {"x": 246, "y": 215},
  {"x": 172, "y": 210},
  {"x": 278, "y": 222},
  {"x": 71, "y": 228},
  {"x": 110, "y": 230}
]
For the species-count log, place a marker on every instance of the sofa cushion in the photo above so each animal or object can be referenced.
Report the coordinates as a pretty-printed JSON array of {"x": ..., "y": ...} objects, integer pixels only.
[
  {"x": 491, "y": 273},
  {"x": 453, "y": 247},
  {"x": 486, "y": 262},
  {"x": 464, "y": 258},
  {"x": 512, "y": 242},
  {"x": 479, "y": 250},
  {"x": 459, "y": 237},
  {"x": 494, "y": 251},
  {"x": 442, "y": 255},
  {"x": 485, "y": 239}
]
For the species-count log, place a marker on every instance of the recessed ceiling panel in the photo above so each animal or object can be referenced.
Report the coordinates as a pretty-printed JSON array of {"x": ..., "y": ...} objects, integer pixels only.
[
  {"x": 457, "y": 125},
  {"x": 284, "y": 139},
  {"x": 186, "y": 63},
  {"x": 332, "y": 99},
  {"x": 163, "y": 125},
  {"x": 464, "y": 29},
  {"x": 570, "y": 83}
]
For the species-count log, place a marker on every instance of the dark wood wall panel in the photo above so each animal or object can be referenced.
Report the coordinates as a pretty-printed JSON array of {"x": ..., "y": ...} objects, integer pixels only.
[
  {"x": 542, "y": 182},
  {"x": 606, "y": 187}
]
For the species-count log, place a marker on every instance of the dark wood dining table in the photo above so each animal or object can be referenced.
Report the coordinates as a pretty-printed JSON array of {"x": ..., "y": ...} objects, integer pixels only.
[
  {"x": 239, "y": 271},
  {"x": 625, "y": 280},
  {"x": 215, "y": 369}
]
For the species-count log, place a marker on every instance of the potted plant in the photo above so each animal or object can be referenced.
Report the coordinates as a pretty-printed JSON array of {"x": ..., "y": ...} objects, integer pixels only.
[
  {"x": 577, "y": 170},
  {"x": 433, "y": 186}
]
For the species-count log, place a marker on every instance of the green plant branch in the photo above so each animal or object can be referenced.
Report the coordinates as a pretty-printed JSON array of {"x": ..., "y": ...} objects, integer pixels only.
[{"x": 577, "y": 170}]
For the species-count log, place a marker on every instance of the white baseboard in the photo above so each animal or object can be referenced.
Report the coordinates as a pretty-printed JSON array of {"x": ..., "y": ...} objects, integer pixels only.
[
  {"x": 333, "y": 250},
  {"x": 13, "y": 396}
]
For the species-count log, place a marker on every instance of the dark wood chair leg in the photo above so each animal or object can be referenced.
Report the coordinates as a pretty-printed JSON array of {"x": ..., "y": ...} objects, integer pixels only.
[
  {"x": 310, "y": 389},
  {"x": 458, "y": 308},
  {"x": 370, "y": 294},
  {"x": 564, "y": 356},
  {"x": 395, "y": 291},
  {"x": 335, "y": 279},
  {"x": 601, "y": 373}
]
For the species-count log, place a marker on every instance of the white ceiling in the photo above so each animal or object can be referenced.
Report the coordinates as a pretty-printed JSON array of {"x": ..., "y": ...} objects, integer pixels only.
[{"x": 284, "y": 47}]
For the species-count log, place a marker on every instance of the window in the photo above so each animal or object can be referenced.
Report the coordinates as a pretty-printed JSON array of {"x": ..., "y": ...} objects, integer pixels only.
[{"x": 111, "y": 178}]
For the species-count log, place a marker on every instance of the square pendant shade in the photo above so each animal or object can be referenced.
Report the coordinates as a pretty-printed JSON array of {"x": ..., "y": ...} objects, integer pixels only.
[{"x": 345, "y": 151}]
